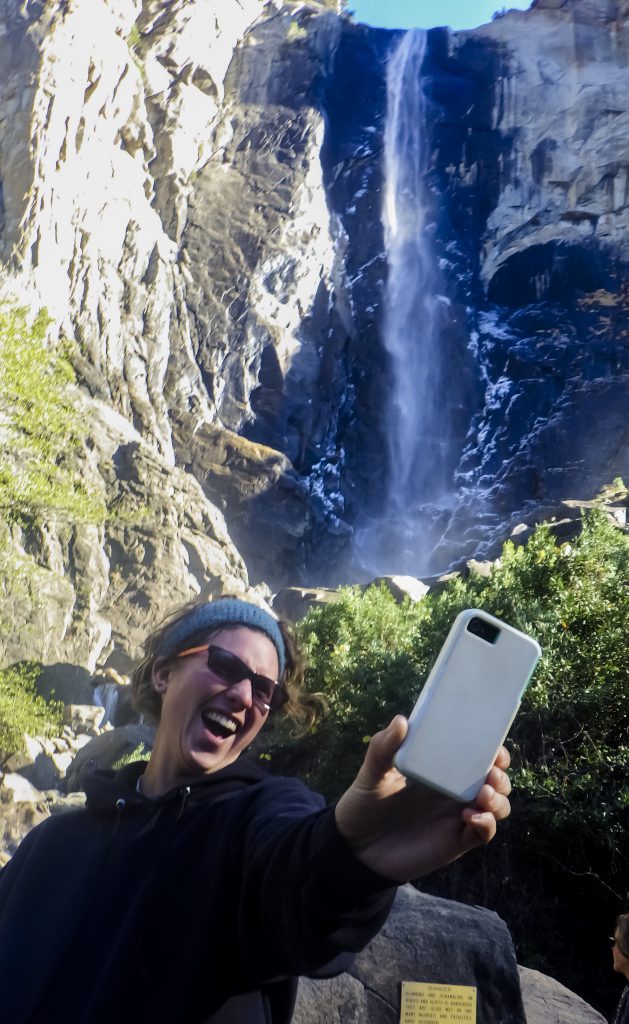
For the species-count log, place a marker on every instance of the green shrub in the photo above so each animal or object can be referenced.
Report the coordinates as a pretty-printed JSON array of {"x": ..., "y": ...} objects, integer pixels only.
[
  {"x": 23, "y": 710},
  {"x": 41, "y": 430},
  {"x": 365, "y": 657},
  {"x": 369, "y": 657},
  {"x": 140, "y": 753}
]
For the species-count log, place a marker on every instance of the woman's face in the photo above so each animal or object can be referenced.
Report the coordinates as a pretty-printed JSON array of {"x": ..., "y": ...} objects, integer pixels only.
[{"x": 205, "y": 724}]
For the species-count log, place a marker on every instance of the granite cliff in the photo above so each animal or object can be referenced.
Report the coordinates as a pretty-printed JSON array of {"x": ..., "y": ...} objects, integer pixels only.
[{"x": 193, "y": 192}]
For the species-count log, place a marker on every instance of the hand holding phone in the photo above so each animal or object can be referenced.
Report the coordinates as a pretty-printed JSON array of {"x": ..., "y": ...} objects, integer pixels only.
[
  {"x": 404, "y": 832},
  {"x": 467, "y": 705}
]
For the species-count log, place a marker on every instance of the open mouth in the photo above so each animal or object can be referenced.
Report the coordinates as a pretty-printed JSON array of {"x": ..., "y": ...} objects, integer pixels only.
[{"x": 219, "y": 725}]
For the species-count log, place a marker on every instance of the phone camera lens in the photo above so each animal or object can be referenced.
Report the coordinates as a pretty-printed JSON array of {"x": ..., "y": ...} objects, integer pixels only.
[{"x": 483, "y": 629}]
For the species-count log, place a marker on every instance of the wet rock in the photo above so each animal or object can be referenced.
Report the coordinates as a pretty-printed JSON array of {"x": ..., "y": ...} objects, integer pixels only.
[{"x": 115, "y": 697}]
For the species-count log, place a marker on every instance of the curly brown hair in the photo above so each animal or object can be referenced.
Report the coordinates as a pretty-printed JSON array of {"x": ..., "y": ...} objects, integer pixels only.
[{"x": 301, "y": 706}]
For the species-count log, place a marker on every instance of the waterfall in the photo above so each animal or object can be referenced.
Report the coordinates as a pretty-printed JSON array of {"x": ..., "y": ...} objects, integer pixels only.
[
  {"x": 106, "y": 694},
  {"x": 417, "y": 499}
]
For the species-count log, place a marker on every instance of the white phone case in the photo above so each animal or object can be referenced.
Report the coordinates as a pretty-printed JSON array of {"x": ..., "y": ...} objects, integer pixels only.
[{"x": 467, "y": 706}]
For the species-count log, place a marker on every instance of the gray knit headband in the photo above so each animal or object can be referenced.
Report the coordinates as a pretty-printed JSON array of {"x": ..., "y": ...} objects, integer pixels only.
[{"x": 227, "y": 611}]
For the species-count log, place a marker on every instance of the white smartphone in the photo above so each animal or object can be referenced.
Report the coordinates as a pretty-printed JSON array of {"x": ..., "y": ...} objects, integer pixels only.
[{"x": 467, "y": 705}]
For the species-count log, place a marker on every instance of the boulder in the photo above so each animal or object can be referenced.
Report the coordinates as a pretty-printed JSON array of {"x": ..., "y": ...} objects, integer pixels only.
[
  {"x": 476, "y": 568},
  {"x": 65, "y": 682},
  {"x": 294, "y": 603},
  {"x": 22, "y": 807},
  {"x": 425, "y": 939},
  {"x": 62, "y": 761},
  {"x": 103, "y": 751},
  {"x": 32, "y": 747},
  {"x": 58, "y": 802},
  {"x": 47, "y": 770},
  {"x": 548, "y": 1002},
  {"x": 16, "y": 819},
  {"x": 14, "y": 788},
  {"x": 403, "y": 586},
  {"x": 84, "y": 718}
]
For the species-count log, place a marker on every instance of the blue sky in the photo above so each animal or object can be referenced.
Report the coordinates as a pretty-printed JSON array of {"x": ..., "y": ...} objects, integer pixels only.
[{"x": 429, "y": 13}]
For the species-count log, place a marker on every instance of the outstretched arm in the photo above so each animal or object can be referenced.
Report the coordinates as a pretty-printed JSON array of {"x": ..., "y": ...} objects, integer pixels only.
[{"x": 406, "y": 830}]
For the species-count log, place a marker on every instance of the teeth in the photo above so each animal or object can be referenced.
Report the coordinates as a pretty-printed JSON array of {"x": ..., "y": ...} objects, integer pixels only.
[{"x": 214, "y": 716}]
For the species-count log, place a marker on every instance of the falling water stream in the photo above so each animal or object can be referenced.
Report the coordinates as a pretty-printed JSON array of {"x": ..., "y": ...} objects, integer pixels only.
[{"x": 401, "y": 539}]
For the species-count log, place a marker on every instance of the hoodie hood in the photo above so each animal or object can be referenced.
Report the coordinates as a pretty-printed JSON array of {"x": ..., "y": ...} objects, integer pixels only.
[{"x": 107, "y": 791}]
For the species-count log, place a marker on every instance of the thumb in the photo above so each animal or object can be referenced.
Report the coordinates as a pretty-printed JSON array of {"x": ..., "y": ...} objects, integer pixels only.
[{"x": 383, "y": 747}]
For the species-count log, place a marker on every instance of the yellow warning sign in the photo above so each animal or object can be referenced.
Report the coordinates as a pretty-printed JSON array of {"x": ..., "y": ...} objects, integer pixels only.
[{"x": 425, "y": 1003}]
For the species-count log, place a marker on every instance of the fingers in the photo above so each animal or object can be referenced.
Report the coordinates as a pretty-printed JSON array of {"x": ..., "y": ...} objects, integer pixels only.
[
  {"x": 499, "y": 781},
  {"x": 491, "y": 804},
  {"x": 492, "y": 801},
  {"x": 490, "y": 808},
  {"x": 385, "y": 744},
  {"x": 483, "y": 824},
  {"x": 503, "y": 758},
  {"x": 380, "y": 753}
]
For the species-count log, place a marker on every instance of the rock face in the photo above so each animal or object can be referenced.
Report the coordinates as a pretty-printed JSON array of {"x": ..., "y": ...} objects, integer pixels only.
[
  {"x": 83, "y": 237},
  {"x": 527, "y": 127},
  {"x": 193, "y": 191},
  {"x": 82, "y": 593},
  {"x": 546, "y": 197},
  {"x": 570, "y": 152}
]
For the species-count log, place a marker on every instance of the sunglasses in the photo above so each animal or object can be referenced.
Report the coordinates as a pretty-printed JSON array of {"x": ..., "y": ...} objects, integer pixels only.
[{"x": 267, "y": 693}]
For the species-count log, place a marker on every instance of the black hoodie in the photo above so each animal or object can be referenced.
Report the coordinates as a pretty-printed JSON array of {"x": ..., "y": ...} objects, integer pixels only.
[{"x": 202, "y": 905}]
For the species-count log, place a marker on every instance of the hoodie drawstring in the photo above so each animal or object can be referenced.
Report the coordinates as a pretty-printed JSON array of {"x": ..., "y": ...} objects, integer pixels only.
[
  {"x": 184, "y": 793},
  {"x": 120, "y": 806}
]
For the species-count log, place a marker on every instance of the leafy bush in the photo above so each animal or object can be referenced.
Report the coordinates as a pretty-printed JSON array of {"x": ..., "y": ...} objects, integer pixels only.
[
  {"x": 365, "y": 656},
  {"x": 369, "y": 656},
  {"x": 41, "y": 430},
  {"x": 23, "y": 710}
]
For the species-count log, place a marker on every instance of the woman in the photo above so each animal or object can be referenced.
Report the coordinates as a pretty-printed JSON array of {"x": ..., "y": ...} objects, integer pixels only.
[
  {"x": 620, "y": 957},
  {"x": 197, "y": 888}
]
